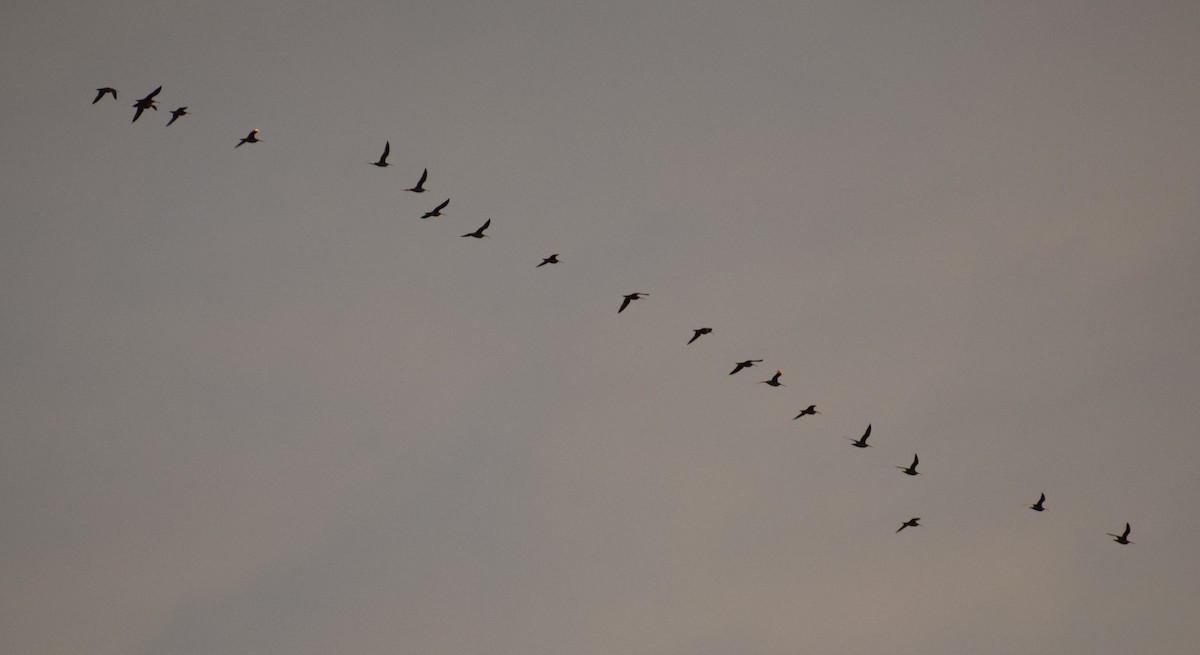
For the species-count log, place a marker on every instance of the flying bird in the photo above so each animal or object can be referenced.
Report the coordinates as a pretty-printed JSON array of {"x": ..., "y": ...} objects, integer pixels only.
[
  {"x": 774, "y": 381},
  {"x": 911, "y": 523},
  {"x": 382, "y": 163},
  {"x": 420, "y": 188},
  {"x": 175, "y": 114},
  {"x": 912, "y": 469},
  {"x": 103, "y": 90},
  {"x": 698, "y": 333},
  {"x": 552, "y": 259},
  {"x": 145, "y": 103},
  {"x": 807, "y": 411},
  {"x": 630, "y": 298},
  {"x": 1037, "y": 507},
  {"x": 1122, "y": 538},
  {"x": 252, "y": 137},
  {"x": 437, "y": 211},
  {"x": 862, "y": 441},
  {"x": 746, "y": 364},
  {"x": 478, "y": 234}
]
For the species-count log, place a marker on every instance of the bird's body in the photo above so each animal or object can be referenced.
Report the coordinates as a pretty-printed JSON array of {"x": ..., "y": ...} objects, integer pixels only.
[
  {"x": 630, "y": 298},
  {"x": 252, "y": 137},
  {"x": 696, "y": 334},
  {"x": 746, "y": 364},
  {"x": 387, "y": 148},
  {"x": 145, "y": 103},
  {"x": 103, "y": 90},
  {"x": 1122, "y": 538},
  {"x": 176, "y": 113},
  {"x": 552, "y": 259},
  {"x": 437, "y": 211},
  {"x": 807, "y": 411},
  {"x": 911, "y": 469},
  {"x": 911, "y": 523},
  {"x": 1037, "y": 507},
  {"x": 478, "y": 234},
  {"x": 861, "y": 442},
  {"x": 774, "y": 381},
  {"x": 420, "y": 188}
]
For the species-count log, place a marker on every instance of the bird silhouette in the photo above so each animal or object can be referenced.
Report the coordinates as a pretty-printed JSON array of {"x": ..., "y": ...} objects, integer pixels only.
[
  {"x": 1122, "y": 538},
  {"x": 774, "y": 381},
  {"x": 911, "y": 523},
  {"x": 420, "y": 188},
  {"x": 911, "y": 469},
  {"x": 552, "y": 259},
  {"x": 630, "y": 298},
  {"x": 382, "y": 163},
  {"x": 478, "y": 234},
  {"x": 175, "y": 114},
  {"x": 807, "y": 411},
  {"x": 746, "y": 364},
  {"x": 1037, "y": 507},
  {"x": 103, "y": 90},
  {"x": 862, "y": 441},
  {"x": 252, "y": 137},
  {"x": 696, "y": 334},
  {"x": 144, "y": 104},
  {"x": 437, "y": 211}
]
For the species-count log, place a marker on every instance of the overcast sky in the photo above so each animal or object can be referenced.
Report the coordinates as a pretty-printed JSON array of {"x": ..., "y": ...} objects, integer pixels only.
[{"x": 254, "y": 405}]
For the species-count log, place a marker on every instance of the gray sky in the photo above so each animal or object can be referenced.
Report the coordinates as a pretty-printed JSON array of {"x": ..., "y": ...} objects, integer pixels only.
[{"x": 254, "y": 405}]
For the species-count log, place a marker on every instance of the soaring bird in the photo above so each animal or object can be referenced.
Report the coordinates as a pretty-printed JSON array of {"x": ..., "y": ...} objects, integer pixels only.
[
  {"x": 175, "y": 114},
  {"x": 552, "y": 259},
  {"x": 912, "y": 469},
  {"x": 437, "y": 211},
  {"x": 103, "y": 90},
  {"x": 420, "y": 188},
  {"x": 630, "y": 298},
  {"x": 1122, "y": 538},
  {"x": 382, "y": 163},
  {"x": 252, "y": 137},
  {"x": 774, "y": 381},
  {"x": 1037, "y": 507},
  {"x": 746, "y": 364},
  {"x": 145, "y": 103},
  {"x": 862, "y": 441},
  {"x": 807, "y": 411},
  {"x": 696, "y": 334},
  {"x": 911, "y": 523},
  {"x": 478, "y": 234}
]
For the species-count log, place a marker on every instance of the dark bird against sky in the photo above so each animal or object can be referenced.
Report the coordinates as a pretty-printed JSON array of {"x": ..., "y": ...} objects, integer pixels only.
[
  {"x": 774, "y": 381},
  {"x": 912, "y": 468},
  {"x": 696, "y": 334},
  {"x": 862, "y": 441},
  {"x": 1122, "y": 538},
  {"x": 420, "y": 188},
  {"x": 911, "y": 523},
  {"x": 387, "y": 148},
  {"x": 807, "y": 411},
  {"x": 478, "y": 234},
  {"x": 145, "y": 103},
  {"x": 103, "y": 90},
  {"x": 437, "y": 211},
  {"x": 252, "y": 137},
  {"x": 176, "y": 113},
  {"x": 746, "y": 364},
  {"x": 630, "y": 298},
  {"x": 552, "y": 259},
  {"x": 1037, "y": 507}
]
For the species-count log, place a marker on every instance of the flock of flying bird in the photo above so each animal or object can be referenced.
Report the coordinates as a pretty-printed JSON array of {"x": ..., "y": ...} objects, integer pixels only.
[{"x": 148, "y": 102}]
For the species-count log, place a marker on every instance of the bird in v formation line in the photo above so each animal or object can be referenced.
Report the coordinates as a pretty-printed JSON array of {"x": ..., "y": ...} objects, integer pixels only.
[{"x": 149, "y": 102}]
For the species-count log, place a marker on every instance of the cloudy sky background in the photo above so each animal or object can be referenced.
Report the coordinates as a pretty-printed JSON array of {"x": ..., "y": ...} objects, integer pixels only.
[{"x": 253, "y": 404}]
